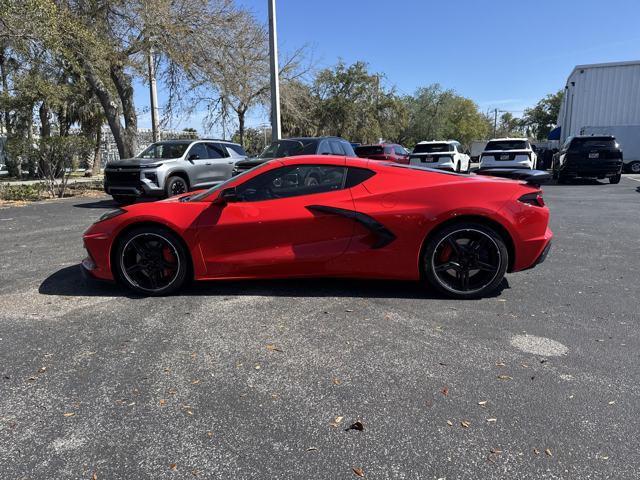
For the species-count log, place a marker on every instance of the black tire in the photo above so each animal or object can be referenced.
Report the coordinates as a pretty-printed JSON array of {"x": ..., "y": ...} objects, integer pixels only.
[
  {"x": 463, "y": 247},
  {"x": 176, "y": 186},
  {"x": 458, "y": 167},
  {"x": 151, "y": 260},
  {"x": 634, "y": 167},
  {"x": 615, "y": 179},
  {"x": 124, "y": 199}
]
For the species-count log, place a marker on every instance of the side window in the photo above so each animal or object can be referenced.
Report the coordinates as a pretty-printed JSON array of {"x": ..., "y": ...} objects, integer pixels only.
[
  {"x": 215, "y": 151},
  {"x": 324, "y": 148},
  {"x": 336, "y": 148},
  {"x": 293, "y": 181},
  {"x": 348, "y": 149},
  {"x": 355, "y": 176},
  {"x": 198, "y": 149},
  {"x": 399, "y": 150}
]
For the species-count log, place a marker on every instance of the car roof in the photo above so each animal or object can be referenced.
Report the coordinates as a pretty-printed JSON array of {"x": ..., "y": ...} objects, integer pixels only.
[
  {"x": 312, "y": 138},
  {"x": 194, "y": 140},
  {"x": 509, "y": 139},
  {"x": 612, "y": 137},
  {"x": 428, "y": 142}
]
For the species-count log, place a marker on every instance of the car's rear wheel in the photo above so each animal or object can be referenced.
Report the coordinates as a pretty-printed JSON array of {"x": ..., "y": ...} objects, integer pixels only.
[
  {"x": 633, "y": 167},
  {"x": 176, "y": 186},
  {"x": 151, "y": 260},
  {"x": 615, "y": 179},
  {"x": 466, "y": 260}
]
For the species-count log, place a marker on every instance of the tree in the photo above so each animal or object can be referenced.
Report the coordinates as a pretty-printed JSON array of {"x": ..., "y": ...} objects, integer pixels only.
[
  {"x": 510, "y": 126},
  {"x": 254, "y": 140},
  {"x": 542, "y": 118}
]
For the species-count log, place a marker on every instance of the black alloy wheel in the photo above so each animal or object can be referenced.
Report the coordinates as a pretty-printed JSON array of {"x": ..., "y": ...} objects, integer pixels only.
[
  {"x": 466, "y": 260},
  {"x": 151, "y": 261},
  {"x": 176, "y": 186}
]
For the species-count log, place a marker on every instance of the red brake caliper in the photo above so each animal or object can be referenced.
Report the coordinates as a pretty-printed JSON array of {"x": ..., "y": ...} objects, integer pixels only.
[{"x": 169, "y": 257}]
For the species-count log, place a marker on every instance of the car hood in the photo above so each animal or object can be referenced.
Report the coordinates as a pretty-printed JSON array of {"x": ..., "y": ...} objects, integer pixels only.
[
  {"x": 136, "y": 162},
  {"x": 252, "y": 162}
]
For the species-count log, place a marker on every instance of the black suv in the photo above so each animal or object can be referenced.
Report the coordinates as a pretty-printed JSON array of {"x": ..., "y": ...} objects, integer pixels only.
[
  {"x": 588, "y": 157},
  {"x": 291, "y": 147}
]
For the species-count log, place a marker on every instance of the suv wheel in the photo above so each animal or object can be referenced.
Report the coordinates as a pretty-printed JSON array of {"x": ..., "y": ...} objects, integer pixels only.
[
  {"x": 151, "y": 260},
  {"x": 615, "y": 179},
  {"x": 176, "y": 186},
  {"x": 466, "y": 260},
  {"x": 634, "y": 167}
]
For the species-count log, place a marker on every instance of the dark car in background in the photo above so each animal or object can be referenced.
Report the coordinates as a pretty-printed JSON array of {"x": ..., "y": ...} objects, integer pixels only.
[
  {"x": 293, "y": 147},
  {"x": 384, "y": 151},
  {"x": 588, "y": 157}
]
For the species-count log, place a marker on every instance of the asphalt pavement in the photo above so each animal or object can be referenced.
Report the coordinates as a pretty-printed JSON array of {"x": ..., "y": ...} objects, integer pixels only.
[{"x": 262, "y": 380}]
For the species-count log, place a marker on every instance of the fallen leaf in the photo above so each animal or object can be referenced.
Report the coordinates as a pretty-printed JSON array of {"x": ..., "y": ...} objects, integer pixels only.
[
  {"x": 505, "y": 377},
  {"x": 273, "y": 348},
  {"x": 500, "y": 364},
  {"x": 172, "y": 391},
  {"x": 356, "y": 426},
  {"x": 167, "y": 370},
  {"x": 311, "y": 449},
  {"x": 548, "y": 452},
  {"x": 194, "y": 355},
  {"x": 173, "y": 466},
  {"x": 348, "y": 310},
  {"x": 492, "y": 420},
  {"x": 358, "y": 471},
  {"x": 195, "y": 382},
  {"x": 162, "y": 402},
  {"x": 612, "y": 402},
  {"x": 336, "y": 421},
  {"x": 495, "y": 451},
  {"x": 337, "y": 381},
  {"x": 483, "y": 402},
  {"x": 94, "y": 476},
  {"x": 42, "y": 369},
  {"x": 209, "y": 434},
  {"x": 445, "y": 391},
  {"x": 68, "y": 414},
  {"x": 257, "y": 367},
  {"x": 524, "y": 365},
  {"x": 450, "y": 423},
  {"x": 465, "y": 423},
  {"x": 536, "y": 451}
]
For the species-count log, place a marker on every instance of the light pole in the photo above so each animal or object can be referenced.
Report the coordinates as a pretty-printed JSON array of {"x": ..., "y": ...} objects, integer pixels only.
[
  {"x": 153, "y": 96},
  {"x": 275, "y": 82}
]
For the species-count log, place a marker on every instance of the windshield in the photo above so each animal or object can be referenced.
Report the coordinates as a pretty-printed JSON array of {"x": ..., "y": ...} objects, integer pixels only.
[
  {"x": 223, "y": 185},
  {"x": 507, "y": 145},
  {"x": 289, "y": 148},
  {"x": 369, "y": 150},
  {"x": 595, "y": 142},
  {"x": 433, "y": 148},
  {"x": 164, "y": 150}
]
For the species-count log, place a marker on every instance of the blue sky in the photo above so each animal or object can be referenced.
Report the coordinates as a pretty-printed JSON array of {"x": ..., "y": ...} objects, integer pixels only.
[{"x": 502, "y": 54}]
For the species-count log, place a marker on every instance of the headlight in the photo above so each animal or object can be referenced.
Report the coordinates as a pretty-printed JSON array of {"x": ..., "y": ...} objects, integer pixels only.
[
  {"x": 111, "y": 214},
  {"x": 152, "y": 165}
]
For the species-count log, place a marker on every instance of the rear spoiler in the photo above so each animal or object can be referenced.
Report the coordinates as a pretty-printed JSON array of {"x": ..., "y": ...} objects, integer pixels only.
[{"x": 532, "y": 177}]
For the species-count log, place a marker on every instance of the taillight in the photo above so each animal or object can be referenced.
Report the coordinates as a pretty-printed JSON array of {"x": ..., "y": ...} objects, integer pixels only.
[{"x": 534, "y": 199}]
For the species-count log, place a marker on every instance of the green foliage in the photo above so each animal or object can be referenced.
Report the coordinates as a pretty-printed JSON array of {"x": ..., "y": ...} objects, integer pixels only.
[
  {"x": 27, "y": 193},
  {"x": 254, "y": 140},
  {"x": 542, "y": 118}
]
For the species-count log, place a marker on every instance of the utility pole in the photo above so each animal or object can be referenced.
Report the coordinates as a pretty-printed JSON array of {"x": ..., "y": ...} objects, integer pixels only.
[
  {"x": 275, "y": 82},
  {"x": 495, "y": 122},
  {"x": 153, "y": 94}
]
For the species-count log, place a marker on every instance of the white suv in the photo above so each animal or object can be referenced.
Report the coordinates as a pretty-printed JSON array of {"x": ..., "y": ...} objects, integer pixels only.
[
  {"x": 508, "y": 153},
  {"x": 445, "y": 155}
]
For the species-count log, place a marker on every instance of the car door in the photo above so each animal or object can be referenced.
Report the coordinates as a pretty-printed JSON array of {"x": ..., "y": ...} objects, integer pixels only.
[
  {"x": 198, "y": 165},
  {"x": 220, "y": 161},
  {"x": 280, "y": 226}
]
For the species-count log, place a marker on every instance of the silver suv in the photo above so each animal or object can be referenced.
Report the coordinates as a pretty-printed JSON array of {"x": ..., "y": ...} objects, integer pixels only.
[{"x": 170, "y": 168}]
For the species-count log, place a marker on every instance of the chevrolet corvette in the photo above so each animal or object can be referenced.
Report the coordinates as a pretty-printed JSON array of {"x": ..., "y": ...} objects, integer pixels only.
[{"x": 330, "y": 216}]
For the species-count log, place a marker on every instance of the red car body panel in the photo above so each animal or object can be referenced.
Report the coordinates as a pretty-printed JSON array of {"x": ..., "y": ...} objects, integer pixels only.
[{"x": 285, "y": 238}]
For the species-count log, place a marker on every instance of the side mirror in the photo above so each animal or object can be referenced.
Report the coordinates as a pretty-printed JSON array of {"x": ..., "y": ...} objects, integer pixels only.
[
  {"x": 228, "y": 195},
  {"x": 193, "y": 156}
]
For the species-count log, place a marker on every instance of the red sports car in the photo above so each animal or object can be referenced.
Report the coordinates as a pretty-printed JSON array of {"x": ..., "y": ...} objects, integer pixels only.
[{"x": 328, "y": 216}]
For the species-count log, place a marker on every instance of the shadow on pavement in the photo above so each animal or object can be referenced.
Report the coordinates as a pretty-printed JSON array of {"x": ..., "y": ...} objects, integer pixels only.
[
  {"x": 109, "y": 203},
  {"x": 70, "y": 281}
]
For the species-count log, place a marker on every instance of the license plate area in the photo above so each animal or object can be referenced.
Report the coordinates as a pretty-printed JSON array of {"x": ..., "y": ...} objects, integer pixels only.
[
  {"x": 594, "y": 155},
  {"x": 504, "y": 156}
]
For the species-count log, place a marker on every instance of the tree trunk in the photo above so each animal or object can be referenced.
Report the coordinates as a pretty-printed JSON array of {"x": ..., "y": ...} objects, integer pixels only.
[
  {"x": 124, "y": 87},
  {"x": 45, "y": 124},
  {"x": 97, "y": 153},
  {"x": 241, "y": 128},
  {"x": 5, "y": 90}
]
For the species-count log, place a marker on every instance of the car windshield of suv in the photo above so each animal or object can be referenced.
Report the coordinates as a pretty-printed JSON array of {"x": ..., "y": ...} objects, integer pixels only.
[
  {"x": 164, "y": 150},
  {"x": 433, "y": 148},
  {"x": 591, "y": 143},
  {"x": 506, "y": 145},
  {"x": 221, "y": 186},
  {"x": 289, "y": 148},
  {"x": 369, "y": 150}
]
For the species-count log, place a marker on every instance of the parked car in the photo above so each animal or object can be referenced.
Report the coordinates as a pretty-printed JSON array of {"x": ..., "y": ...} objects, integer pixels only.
[
  {"x": 170, "y": 168},
  {"x": 293, "y": 147},
  {"x": 3, "y": 170},
  {"x": 589, "y": 157},
  {"x": 365, "y": 219},
  {"x": 391, "y": 152},
  {"x": 508, "y": 153},
  {"x": 444, "y": 155}
]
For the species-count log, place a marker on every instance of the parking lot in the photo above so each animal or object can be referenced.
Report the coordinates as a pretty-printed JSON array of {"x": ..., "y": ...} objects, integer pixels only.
[{"x": 264, "y": 379}]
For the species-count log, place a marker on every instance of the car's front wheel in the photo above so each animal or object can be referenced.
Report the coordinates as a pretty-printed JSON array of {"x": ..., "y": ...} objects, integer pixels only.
[
  {"x": 151, "y": 260},
  {"x": 466, "y": 260},
  {"x": 615, "y": 179},
  {"x": 176, "y": 186}
]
